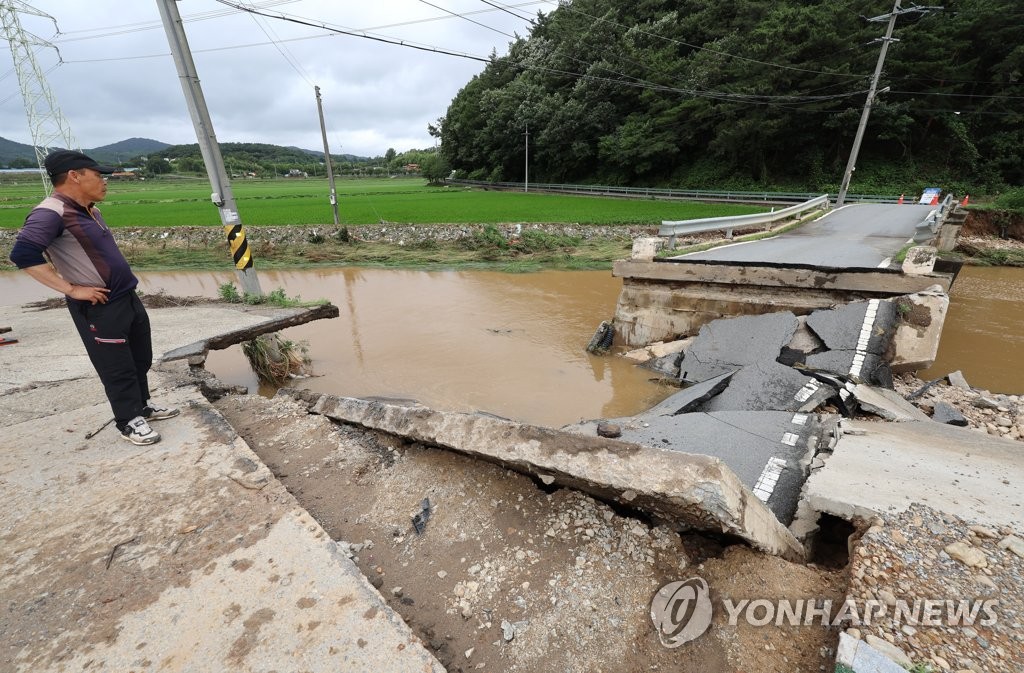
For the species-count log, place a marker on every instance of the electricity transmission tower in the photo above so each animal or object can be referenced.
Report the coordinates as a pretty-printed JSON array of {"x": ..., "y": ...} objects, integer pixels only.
[{"x": 48, "y": 127}]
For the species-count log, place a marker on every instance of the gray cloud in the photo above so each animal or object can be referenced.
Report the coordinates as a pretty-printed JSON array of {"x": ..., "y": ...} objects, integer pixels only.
[{"x": 375, "y": 96}]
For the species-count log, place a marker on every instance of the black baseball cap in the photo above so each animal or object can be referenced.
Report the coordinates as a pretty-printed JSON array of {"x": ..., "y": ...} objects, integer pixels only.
[{"x": 62, "y": 161}]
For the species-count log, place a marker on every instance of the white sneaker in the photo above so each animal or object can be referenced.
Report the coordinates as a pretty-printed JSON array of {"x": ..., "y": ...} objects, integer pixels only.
[
  {"x": 154, "y": 412},
  {"x": 138, "y": 432}
]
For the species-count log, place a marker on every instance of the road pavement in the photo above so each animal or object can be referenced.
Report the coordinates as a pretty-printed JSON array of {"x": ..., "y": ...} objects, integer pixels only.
[{"x": 855, "y": 236}]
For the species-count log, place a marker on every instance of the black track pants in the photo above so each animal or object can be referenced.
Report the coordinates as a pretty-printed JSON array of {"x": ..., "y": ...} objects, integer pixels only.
[{"x": 118, "y": 340}]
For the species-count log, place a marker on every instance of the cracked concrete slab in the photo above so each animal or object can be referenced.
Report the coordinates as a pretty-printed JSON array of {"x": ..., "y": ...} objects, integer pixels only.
[
  {"x": 187, "y": 554},
  {"x": 725, "y": 344},
  {"x": 693, "y": 491},
  {"x": 890, "y": 466},
  {"x": 769, "y": 451},
  {"x": 919, "y": 331},
  {"x": 886, "y": 404}
]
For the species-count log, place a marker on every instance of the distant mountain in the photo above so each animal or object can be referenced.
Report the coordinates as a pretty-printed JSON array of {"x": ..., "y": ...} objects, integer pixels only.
[
  {"x": 319, "y": 153},
  {"x": 125, "y": 149},
  {"x": 113, "y": 153},
  {"x": 10, "y": 150}
]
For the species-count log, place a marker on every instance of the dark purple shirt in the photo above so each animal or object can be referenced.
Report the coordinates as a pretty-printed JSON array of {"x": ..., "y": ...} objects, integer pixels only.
[{"x": 77, "y": 242}]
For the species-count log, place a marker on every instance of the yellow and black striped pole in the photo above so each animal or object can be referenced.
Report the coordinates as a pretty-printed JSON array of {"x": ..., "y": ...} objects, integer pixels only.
[{"x": 239, "y": 247}]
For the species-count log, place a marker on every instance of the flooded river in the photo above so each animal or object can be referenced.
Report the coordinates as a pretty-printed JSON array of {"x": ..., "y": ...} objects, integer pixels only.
[
  {"x": 984, "y": 331},
  {"x": 513, "y": 344}
]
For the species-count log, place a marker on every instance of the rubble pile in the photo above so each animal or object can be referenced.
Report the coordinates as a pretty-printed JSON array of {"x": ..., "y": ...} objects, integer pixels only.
[
  {"x": 922, "y": 554},
  {"x": 994, "y": 414},
  {"x": 764, "y": 393}
]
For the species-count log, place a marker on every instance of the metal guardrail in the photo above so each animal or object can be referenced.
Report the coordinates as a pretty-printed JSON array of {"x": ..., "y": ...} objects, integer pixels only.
[
  {"x": 929, "y": 227},
  {"x": 658, "y": 193},
  {"x": 728, "y": 224}
]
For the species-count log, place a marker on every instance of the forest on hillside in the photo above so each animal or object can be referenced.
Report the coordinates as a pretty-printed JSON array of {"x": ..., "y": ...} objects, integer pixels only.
[{"x": 749, "y": 93}]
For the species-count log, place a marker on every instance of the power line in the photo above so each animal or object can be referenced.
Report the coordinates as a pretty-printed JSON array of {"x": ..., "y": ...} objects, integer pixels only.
[
  {"x": 281, "y": 48},
  {"x": 461, "y": 16},
  {"x": 750, "y": 98}
]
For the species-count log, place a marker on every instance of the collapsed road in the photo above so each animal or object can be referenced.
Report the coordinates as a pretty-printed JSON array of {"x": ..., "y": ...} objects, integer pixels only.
[{"x": 324, "y": 532}]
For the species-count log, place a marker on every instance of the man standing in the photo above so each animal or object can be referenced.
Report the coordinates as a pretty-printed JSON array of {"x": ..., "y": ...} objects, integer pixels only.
[{"x": 98, "y": 284}]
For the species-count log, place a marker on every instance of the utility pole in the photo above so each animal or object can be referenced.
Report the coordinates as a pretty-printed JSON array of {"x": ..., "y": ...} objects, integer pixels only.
[
  {"x": 851, "y": 165},
  {"x": 327, "y": 157},
  {"x": 221, "y": 196},
  {"x": 526, "y": 184}
]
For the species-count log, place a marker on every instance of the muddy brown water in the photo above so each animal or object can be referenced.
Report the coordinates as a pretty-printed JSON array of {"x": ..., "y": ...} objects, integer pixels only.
[
  {"x": 984, "y": 331},
  {"x": 509, "y": 344},
  {"x": 513, "y": 344}
]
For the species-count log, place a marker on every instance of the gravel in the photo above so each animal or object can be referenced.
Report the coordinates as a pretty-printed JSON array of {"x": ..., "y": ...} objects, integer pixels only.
[{"x": 922, "y": 554}]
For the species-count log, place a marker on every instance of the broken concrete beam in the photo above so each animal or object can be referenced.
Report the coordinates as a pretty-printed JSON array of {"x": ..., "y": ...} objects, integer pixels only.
[
  {"x": 948, "y": 414},
  {"x": 886, "y": 404},
  {"x": 281, "y": 319},
  {"x": 723, "y": 345},
  {"x": 920, "y": 327},
  {"x": 875, "y": 281},
  {"x": 667, "y": 366},
  {"x": 693, "y": 491},
  {"x": 920, "y": 260}
]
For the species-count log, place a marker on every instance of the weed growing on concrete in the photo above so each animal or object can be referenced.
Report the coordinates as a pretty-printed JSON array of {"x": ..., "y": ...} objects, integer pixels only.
[
  {"x": 275, "y": 360},
  {"x": 229, "y": 293}
]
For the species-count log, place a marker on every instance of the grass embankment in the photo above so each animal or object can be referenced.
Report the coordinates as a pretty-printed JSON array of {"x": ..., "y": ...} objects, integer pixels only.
[
  {"x": 486, "y": 248},
  {"x": 395, "y": 203}
]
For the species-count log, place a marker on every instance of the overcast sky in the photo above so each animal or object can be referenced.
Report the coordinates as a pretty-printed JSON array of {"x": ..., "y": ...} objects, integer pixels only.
[{"x": 118, "y": 79}]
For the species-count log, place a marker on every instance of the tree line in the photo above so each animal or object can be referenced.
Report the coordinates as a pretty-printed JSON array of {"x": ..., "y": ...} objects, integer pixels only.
[
  {"x": 749, "y": 94},
  {"x": 266, "y": 161}
]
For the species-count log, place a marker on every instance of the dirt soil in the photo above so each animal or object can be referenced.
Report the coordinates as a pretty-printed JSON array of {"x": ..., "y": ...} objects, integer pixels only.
[
  {"x": 994, "y": 223},
  {"x": 510, "y": 576}
]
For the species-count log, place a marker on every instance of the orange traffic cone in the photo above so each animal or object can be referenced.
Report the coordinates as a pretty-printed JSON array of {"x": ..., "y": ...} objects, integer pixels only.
[
  {"x": 900, "y": 200},
  {"x": 935, "y": 200},
  {"x": 966, "y": 199}
]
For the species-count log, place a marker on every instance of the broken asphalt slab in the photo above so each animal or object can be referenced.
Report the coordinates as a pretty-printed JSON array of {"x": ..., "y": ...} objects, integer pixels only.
[
  {"x": 770, "y": 386},
  {"x": 747, "y": 348},
  {"x": 729, "y": 343},
  {"x": 866, "y": 326},
  {"x": 889, "y": 466},
  {"x": 691, "y": 491},
  {"x": 770, "y": 451},
  {"x": 690, "y": 398}
]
